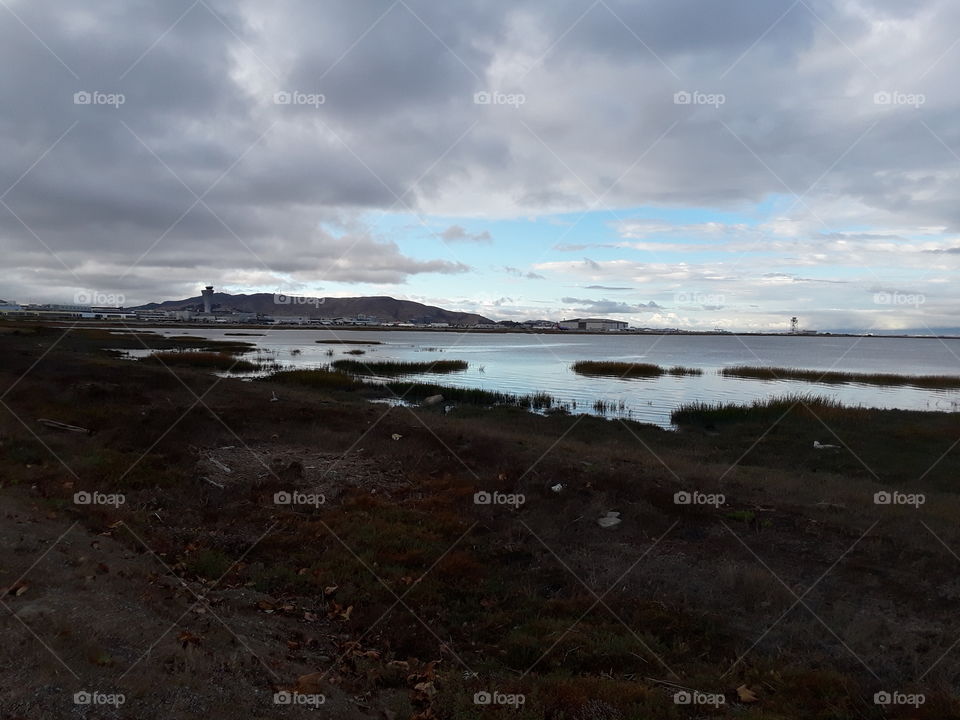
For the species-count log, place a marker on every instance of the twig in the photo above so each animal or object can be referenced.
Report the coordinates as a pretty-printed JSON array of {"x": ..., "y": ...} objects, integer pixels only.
[{"x": 62, "y": 426}]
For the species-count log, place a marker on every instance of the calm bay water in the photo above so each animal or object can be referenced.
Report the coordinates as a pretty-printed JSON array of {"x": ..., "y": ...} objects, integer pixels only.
[{"x": 527, "y": 363}]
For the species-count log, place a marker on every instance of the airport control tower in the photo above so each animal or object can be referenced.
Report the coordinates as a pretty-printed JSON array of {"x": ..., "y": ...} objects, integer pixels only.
[{"x": 207, "y": 299}]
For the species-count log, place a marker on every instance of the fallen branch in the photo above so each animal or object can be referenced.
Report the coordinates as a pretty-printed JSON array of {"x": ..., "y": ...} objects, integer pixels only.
[
  {"x": 63, "y": 426},
  {"x": 219, "y": 464}
]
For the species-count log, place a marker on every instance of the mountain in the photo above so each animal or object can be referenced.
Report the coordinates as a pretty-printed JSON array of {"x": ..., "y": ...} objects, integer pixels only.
[{"x": 386, "y": 309}]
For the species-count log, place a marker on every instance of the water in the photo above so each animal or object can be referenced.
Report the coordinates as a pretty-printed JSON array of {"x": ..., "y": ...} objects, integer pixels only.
[{"x": 527, "y": 363}]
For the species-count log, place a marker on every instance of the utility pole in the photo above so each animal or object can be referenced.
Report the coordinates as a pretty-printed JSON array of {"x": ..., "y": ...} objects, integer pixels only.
[{"x": 793, "y": 325}]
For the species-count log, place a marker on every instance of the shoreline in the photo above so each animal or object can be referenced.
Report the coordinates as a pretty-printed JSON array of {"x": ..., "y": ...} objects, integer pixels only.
[{"x": 96, "y": 324}]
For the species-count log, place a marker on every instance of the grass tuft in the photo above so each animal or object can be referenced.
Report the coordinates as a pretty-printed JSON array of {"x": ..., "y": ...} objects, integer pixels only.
[
  {"x": 835, "y": 377},
  {"x": 390, "y": 367},
  {"x": 629, "y": 370},
  {"x": 701, "y": 412},
  {"x": 203, "y": 360},
  {"x": 319, "y": 378},
  {"x": 349, "y": 342}
]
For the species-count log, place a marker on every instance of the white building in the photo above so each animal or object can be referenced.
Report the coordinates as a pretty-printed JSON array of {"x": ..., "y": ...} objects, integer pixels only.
[{"x": 593, "y": 324}]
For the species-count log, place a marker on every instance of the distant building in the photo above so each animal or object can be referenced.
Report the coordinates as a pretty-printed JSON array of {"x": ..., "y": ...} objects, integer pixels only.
[
  {"x": 593, "y": 324},
  {"x": 540, "y": 324},
  {"x": 154, "y": 315},
  {"x": 111, "y": 313}
]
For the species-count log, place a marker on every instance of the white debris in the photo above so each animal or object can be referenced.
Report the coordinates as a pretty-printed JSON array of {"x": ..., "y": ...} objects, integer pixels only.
[
  {"x": 610, "y": 520},
  {"x": 557, "y": 488},
  {"x": 219, "y": 464},
  {"x": 273, "y": 396},
  {"x": 396, "y": 436},
  {"x": 820, "y": 446},
  {"x": 432, "y": 400}
]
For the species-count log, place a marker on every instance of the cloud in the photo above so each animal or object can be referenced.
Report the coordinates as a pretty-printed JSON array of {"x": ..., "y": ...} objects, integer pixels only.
[
  {"x": 517, "y": 272},
  {"x": 457, "y": 234},
  {"x": 201, "y": 175},
  {"x": 609, "y": 307},
  {"x": 606, "y": 287}
]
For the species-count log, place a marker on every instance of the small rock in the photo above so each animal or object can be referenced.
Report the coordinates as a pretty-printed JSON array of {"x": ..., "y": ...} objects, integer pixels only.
[{"x": 611, "y": 519}]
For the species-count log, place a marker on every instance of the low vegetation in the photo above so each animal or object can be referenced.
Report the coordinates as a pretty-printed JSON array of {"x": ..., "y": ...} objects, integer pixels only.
[
  {"x": 202, "y": 360},
  {"x": 694, "y": 595},
  {"x": 318, "y": 379},
  {"x": 411, "y": 391},
  {"x": 680, "y": 371},
  {"x": 834, "y": 377},
  {"x": 604, "y": 407},
  {"x": 629, "y": 370},
  {"x": 391, "y": 367},
  {"x": 349, "y": 342},
  {"x": 710, "y": 413}
]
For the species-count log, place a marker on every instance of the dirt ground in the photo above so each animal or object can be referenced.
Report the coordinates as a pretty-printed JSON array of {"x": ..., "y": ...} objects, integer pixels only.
[{"x": 277, "y": 538}]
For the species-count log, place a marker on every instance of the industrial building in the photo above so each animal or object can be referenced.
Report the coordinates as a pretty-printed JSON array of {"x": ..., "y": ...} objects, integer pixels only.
[{"x": 593, "y": 324}]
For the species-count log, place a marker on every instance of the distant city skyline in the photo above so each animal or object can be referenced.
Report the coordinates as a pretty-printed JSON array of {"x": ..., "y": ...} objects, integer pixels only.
[{"x": 666, "y": 164}]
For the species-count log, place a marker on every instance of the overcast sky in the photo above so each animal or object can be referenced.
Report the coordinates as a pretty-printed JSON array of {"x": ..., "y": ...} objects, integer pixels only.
[{"x": 686, "y": 163}]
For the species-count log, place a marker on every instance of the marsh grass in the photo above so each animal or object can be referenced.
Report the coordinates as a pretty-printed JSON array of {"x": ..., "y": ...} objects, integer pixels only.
[
  {"x": 836, "y": 377},
  {"x": 411, "y": 391},
  {"x": 390, "y": 367},
  {"x": 202, "y": 360},
  {"x": 599, "y": 368},
  {"x": 348, "y": 342},
  {"x": 680, "y": 371},
  {"x": 617, "y": 369},
  {"x": 609, "y": 406},
  {"x": 701, "y": 412},
  {"x": 319, "y": 379}
]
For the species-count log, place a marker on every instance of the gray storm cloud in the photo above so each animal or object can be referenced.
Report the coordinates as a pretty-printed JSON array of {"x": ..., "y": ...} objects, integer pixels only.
[{"x": 261, "y": 138}]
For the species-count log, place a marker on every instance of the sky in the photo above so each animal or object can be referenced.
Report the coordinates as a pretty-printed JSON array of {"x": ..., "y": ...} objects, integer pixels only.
[{"x": 670, "y": 163}]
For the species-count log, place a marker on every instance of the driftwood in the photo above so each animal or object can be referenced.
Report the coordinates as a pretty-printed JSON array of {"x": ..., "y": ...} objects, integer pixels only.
[
  {"x": 63, "y": 426},
  {"x": 219, "y": 464}
]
